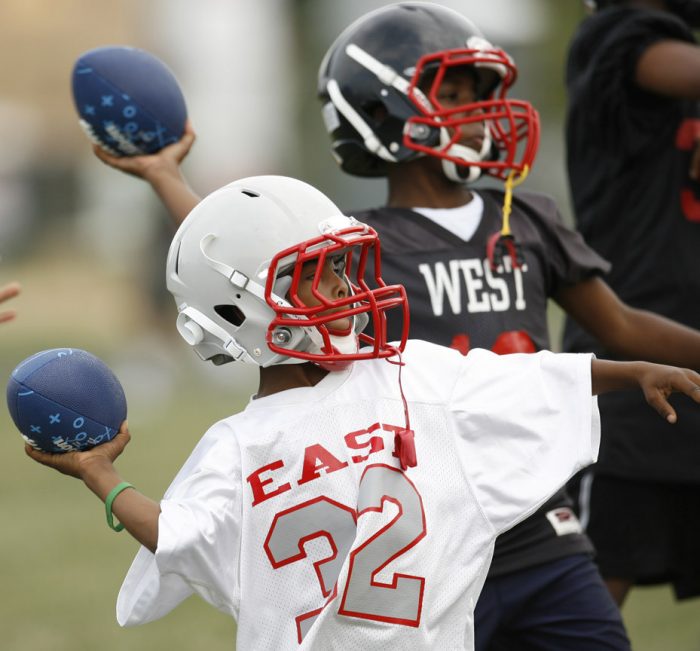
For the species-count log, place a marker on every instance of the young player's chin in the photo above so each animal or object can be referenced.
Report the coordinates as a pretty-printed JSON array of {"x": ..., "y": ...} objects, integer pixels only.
[{"x": 339, "y": 327}]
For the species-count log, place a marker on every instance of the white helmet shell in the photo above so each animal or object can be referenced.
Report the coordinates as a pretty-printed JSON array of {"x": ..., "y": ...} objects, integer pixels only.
[{"x": 217, "y": 271}]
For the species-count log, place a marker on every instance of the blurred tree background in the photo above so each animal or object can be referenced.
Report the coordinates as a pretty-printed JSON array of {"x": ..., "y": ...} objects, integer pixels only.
[{"x": 89, "y": 246}]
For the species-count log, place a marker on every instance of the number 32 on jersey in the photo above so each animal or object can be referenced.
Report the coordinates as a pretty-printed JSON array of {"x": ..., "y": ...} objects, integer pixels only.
[{"x": 399, "y": 601}]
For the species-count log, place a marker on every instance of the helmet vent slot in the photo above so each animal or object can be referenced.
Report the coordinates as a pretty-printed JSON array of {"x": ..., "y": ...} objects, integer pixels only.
[
  {"x": 177, "y": 258},
  {"x": 250, "y": 193},
  {"x": 376, "y": 111},
  {"x": 230, "y": 313}
]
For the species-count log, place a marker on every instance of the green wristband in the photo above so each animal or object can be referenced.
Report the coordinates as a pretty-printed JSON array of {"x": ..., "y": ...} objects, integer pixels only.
[{"x": 108, "y": 504}]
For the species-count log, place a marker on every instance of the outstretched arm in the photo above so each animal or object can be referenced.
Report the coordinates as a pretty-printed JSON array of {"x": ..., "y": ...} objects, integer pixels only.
[
  {"x": 656, "y": 381},
  {"x": 162, "y": 171},
  {"x": 138, "y": 513},
  {"x": 626, "y": 331}
]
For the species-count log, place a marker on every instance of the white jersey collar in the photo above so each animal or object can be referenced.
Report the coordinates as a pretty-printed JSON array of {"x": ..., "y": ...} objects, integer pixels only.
[
  {"x": 305, "y": 395},
  {"x": 461, "y": 221}
]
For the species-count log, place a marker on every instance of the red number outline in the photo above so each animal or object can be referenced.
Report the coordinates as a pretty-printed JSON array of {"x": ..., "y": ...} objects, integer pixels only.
[
  {"x": 330, "y": 592},
  {"x": 326, "y": 591},
  {"x": 687, "y": 138},
  {"x": 342, "y": 610}
]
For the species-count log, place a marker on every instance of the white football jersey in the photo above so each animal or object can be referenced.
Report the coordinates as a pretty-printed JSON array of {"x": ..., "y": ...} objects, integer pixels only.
[{"x": 296, "y": 519}]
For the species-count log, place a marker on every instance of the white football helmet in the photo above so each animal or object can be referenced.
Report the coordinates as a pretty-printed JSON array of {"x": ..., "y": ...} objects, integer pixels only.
[{"x": 234, "y": 268}]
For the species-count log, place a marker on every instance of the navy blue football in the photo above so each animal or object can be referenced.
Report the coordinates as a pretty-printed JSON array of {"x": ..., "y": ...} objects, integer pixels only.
[
  {"x": 65, "y": 399},
  {"x": 129, "y": 102}
]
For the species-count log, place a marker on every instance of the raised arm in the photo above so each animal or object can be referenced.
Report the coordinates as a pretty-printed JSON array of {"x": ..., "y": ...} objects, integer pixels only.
[
  {"x": 162, "y": 171},
  {"x": 138, "y": 513},
  {"x": 656, "y": 381},
  {"x": 672, "y": 68}
]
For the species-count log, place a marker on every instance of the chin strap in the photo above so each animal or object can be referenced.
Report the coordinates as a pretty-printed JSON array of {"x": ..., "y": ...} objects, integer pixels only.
[
  {"x": 404, "y": 440},
  {"x": 503, "y": 243}
]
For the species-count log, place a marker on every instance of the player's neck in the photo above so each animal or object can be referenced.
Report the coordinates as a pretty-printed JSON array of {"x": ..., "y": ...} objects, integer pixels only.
[
  {"x": 274, "y": 379},
  {"x": 421, "y": 183}
]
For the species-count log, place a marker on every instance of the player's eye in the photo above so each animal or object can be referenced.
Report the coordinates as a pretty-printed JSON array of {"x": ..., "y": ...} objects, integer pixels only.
[
  {"x": 338, "y": 264},
  {"x": 308, "y": 271},
  {"x": 448, "y": 97}
]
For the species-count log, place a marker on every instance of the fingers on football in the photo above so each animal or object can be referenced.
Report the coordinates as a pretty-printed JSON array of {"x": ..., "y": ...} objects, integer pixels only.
[
  {"x": 188, "y": 134},
  {"x": 44, "y": 458},
  {"x": 118, "y": 162},
  {"x": 182, "y": 147},
  {"x": 121, "y": 440}
]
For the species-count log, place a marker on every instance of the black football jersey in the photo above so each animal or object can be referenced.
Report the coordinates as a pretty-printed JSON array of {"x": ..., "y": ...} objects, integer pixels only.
[
  {"x": 455, "y": 299},
  {"x": 628, "y": 154}
]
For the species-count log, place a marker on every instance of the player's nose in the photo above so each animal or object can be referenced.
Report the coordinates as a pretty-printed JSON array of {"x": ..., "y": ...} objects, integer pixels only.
[{"x": 336, "y": 283}]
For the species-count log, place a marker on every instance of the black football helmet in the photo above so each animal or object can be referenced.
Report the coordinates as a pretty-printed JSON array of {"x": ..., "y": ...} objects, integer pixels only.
[{"x": 370, "y": 84}]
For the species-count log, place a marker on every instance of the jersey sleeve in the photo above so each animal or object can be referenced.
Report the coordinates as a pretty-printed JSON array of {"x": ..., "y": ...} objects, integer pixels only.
[
  {"x": 568, "y": 258},
  {"x": 198, "y": 538},
  {"x": 527, "y": 423},
  {"x": 605, "y": 85}
]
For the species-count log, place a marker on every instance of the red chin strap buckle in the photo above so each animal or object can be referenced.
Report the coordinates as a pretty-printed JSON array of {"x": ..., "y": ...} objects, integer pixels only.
[
  {"x": 405, "y": 448},
  {"x": 404, "y": 440},
  {"x": 499, "y": 246}
]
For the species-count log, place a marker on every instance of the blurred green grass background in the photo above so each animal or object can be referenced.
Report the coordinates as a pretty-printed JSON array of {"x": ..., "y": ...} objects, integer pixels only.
[{"x": 60, "y": 566}]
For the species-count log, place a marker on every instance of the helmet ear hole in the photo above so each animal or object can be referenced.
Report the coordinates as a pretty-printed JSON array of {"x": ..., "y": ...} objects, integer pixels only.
[
  {"x": 231, "y": 313},
  {"x": 377, "y": 111}
]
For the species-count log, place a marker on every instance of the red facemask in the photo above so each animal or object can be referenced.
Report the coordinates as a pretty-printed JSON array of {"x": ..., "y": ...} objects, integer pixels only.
[
  {"x": 367, "y": 298},
  {"x": 512, "y": 126}
]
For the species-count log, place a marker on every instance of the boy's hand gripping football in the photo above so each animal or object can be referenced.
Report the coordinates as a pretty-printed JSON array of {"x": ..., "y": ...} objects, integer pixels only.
[
  {"x": 150, "y": 166},
  {"x": 162, "y": 171},
  {"x": 79, "y": 464}
]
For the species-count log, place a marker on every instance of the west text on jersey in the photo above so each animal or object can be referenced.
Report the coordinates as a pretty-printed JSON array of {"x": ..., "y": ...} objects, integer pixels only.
[{"x": 471, "y": 286}]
